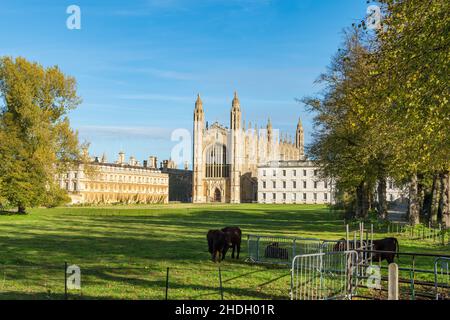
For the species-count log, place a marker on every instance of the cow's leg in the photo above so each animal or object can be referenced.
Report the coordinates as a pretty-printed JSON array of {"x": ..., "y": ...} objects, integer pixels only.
[
  {"x": 232, "y": 253},
  {"x": 390, "y": 258},
  {"x": 224, "y": 251}
]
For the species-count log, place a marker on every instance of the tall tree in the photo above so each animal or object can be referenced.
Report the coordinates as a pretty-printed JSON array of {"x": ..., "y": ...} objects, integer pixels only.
[
  {"x": 385, "y": 108},
  {"x": 344, "y": 138},
  {"x": 413, "y": 58},
  {"x": 36, "y": 141}
]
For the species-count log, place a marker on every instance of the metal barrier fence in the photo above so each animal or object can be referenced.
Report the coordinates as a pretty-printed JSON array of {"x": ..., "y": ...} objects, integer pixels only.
[
  {"x": 442, "y": 278},
  {"x": 421, "y": 276},
  {"x": 324, "y": 276},
  {"x": 435, "y": 233},
  {"x": 352, "y": 274},
  {"x": 281, "y": 250}
]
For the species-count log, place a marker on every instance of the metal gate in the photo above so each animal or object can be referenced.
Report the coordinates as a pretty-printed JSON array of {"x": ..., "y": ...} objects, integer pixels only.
[
  {"x": 281, "y": 250},
  {"x": 324, "y": 276},
  {"x": 442, "y": 278}
]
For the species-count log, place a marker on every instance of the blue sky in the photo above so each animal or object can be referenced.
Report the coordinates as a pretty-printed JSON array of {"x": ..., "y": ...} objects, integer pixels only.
[{"x": 140, "y": 63}]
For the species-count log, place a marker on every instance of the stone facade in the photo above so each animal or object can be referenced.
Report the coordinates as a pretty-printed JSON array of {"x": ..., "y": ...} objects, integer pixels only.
[
  {"x": 180, "y": 182},
  {"x": 225, "y": 160},
  {"x": 118, "y": 182},
  {"x": 293, "y": 182}
]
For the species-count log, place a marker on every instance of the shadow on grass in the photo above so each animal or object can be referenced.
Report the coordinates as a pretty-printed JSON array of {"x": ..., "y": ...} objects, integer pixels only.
[
  {"x": 12, "y": 213},
  {"x": 101, "y": 284}
]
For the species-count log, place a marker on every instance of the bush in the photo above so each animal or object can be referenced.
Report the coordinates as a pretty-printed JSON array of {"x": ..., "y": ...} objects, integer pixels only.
[{"x": 56, "y": 197}]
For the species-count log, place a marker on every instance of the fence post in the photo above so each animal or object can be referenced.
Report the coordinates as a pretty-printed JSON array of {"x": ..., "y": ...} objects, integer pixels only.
[
  {"x": 257, "y": 248},
  {"x": 167, "y": 282},
  {"x": 413, "y": 276},
  {"x": 371, "y": 242},
  {"x": 65, "y": 281},
  {"x": 220, "y": 283},
  {"x": 393, "y": 282},
  {"x": 248, "y": 246}
]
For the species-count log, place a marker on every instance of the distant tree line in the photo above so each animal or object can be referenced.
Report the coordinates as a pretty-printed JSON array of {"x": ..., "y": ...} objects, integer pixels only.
[{"x": 383, "y": 112}]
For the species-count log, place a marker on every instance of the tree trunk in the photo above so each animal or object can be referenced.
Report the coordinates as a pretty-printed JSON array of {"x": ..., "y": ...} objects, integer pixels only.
[
  {"x": 370, "y": 195},
  {"x": 382, "y": 203},
  {"x": 427, "y": 204},
  {"x": 422, "y": 198},
  {"x": 366, "y": 201},
  {"x": 358, "y": 201},
  {"x": 414, "y": 209},
  {"x": 434, "y": 206},
  {"x": 21, "y": 209},
  {"x": 441, "y": 198},
  {"x": 445, "y": 196},
  {"x": 362, "y": 201}
]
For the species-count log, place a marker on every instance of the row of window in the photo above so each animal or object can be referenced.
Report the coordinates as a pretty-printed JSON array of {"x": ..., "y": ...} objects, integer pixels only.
[
  {"x": 294, "y": 184},
  {"x": 120, "y": 178},
  {"x": 126, "y": 169},
  {"x": 101, "y": 187},
  {"x": 134, "y": 179},
  {"x": 124, "y": 188},
  {"x": 294, "y": 172},
  {"x": 294, "y": 196}
]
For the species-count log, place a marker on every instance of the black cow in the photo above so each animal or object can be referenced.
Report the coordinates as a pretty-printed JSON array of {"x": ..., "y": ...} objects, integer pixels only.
[
  {"x": 341, "y": 245},
  {"x": 386, "y": 244},
  {"x": 218, "y": 243},
  {"x": 273, "y": 250},
  {"x": 235, "y": 235}
]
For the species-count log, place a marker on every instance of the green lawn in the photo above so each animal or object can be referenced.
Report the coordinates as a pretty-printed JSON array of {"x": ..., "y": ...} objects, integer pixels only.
[{"x": 124, "y": 252}]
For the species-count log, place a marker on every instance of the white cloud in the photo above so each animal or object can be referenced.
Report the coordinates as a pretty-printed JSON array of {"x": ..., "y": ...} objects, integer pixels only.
[
  {"x": 156, "y": 97},
  {"x": 159, "y": 73},
  {"x": 121, "y": 132}
]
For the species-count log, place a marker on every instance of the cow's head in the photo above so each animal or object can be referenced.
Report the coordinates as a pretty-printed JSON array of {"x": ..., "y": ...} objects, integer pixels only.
[{"x": 341, "y": 245}]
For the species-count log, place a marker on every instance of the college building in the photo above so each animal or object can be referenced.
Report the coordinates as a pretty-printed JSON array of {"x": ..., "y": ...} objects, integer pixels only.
[
  {"x": 117, "y": 182},
  {"x": 226, "y": 159},
  {"x": 296, "y": 182}
]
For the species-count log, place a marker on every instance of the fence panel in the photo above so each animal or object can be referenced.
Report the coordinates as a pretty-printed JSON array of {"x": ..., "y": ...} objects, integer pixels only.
[
  {"x": 324, "y": 276},
  {"x": 442, "y": 278},
  {"x": 281, "y": 250}
]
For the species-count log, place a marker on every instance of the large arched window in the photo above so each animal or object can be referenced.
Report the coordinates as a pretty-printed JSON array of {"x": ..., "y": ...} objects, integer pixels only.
[{"x": 216, "y": 161}]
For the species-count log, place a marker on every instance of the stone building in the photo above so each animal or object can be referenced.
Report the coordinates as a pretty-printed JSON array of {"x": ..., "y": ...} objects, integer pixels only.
[
  {"x": 293, "y": 182},
  {"x": 180, "y": 181},
  {"x": 118, "y": 182},
  {"x": 225, "y": 160}
]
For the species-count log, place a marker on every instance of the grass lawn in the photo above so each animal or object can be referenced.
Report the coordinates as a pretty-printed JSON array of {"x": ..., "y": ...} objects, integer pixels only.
[{"x": 124, "y": 252}]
